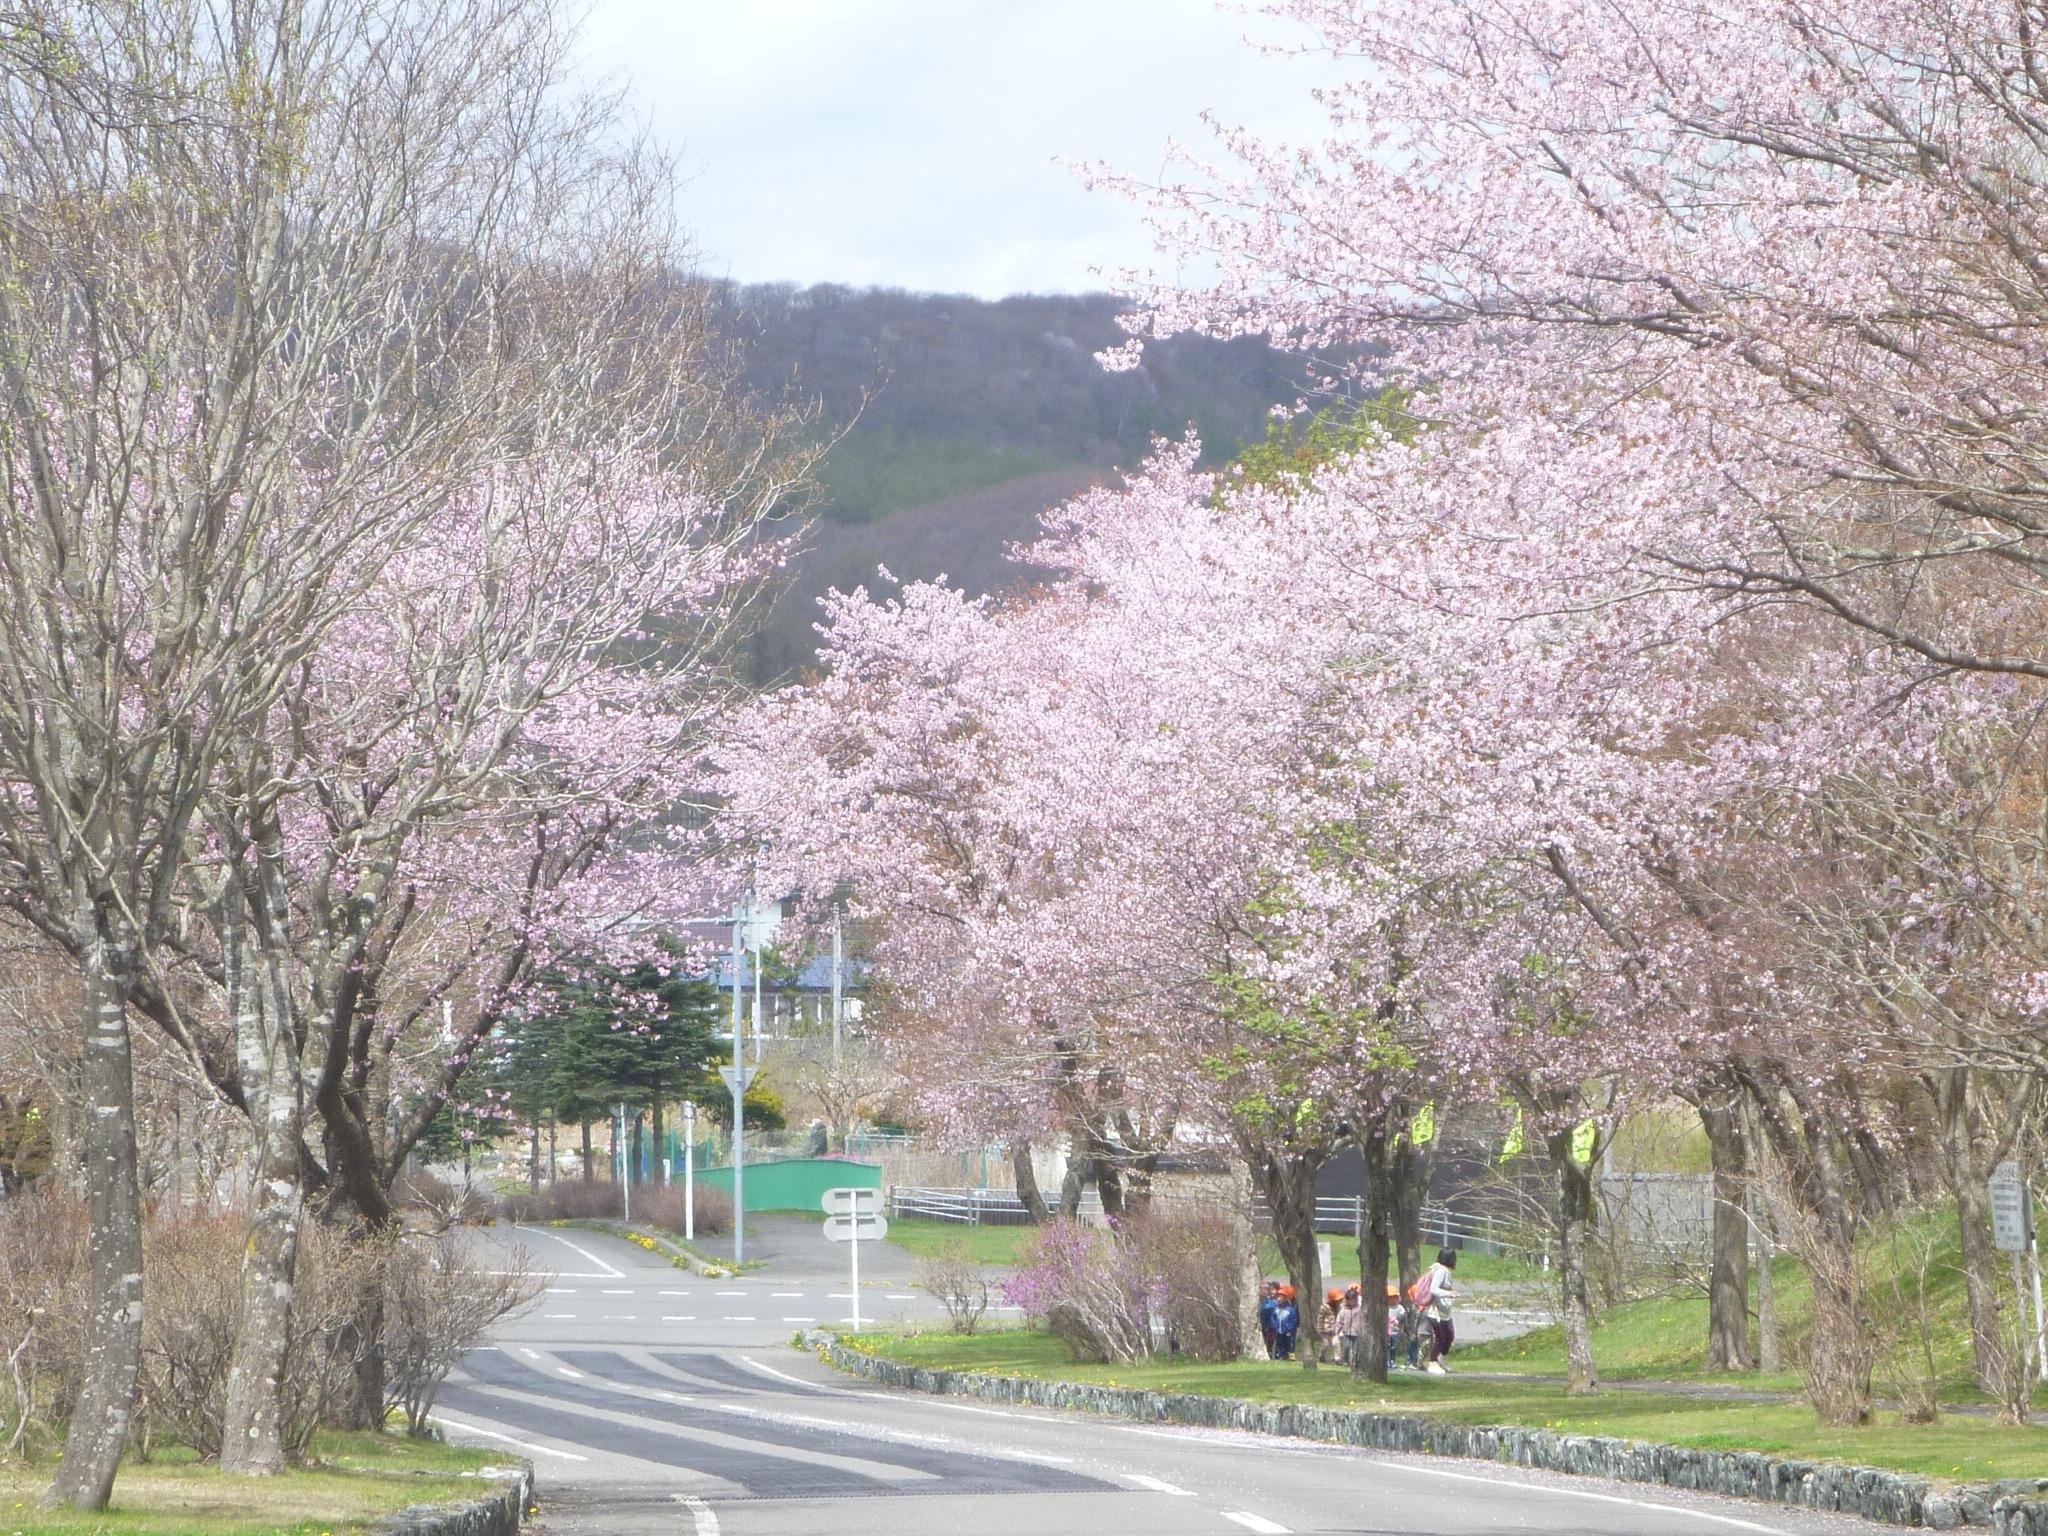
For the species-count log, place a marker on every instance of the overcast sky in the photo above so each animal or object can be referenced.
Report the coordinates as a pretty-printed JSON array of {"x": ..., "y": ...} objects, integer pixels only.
[{"x": 916, "y": 143}]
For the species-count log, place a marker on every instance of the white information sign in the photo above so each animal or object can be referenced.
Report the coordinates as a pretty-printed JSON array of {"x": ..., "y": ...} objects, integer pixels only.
[
  {"x": 2012, "y": 1209},
  {"x": 853, "y": 1217},
  {"x": 852, "y": 1202}
]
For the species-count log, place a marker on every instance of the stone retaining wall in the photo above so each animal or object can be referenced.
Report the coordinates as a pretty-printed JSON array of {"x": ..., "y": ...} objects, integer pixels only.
[
  {"x": 2010, "y": 1509},
  {"x": 498, "y": 1513}
]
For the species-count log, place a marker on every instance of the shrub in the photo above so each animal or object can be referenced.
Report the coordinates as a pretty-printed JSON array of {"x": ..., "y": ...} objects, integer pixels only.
[
  {"x": 658, "y": 1205},
  {"x": 1149, "y": 1283},
  {"x": 1201, "y": 1275},
  {"x": 43, "y": 1313},
  {"x": 441, "y": 1299},
  {"x": 661, "y": 1205},
  {"x": 1092, "y": 1290},
  {"x": 442, "y": 1203},
  {"x": 191, "y": 1308},
  {"x": 959, "y": 1281}
]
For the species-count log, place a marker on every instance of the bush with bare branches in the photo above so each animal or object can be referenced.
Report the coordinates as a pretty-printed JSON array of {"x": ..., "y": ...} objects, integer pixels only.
[
  {"x": 441, "y": 1298},
  {"x": 959, "y": 1281}
]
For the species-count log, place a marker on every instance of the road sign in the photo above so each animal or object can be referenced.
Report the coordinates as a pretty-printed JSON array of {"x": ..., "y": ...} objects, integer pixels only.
[
  {"x": 856, "y": 1229},
  {"x": 689, "y": 1110},
  {"x": 738, "y": 1079},
  {"x": 2012, "y": 1209},
  {"x": 852, "y": 1202}
]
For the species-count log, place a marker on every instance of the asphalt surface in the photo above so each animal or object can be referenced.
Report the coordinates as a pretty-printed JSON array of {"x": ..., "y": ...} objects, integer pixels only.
[{"x": 653, "y": 1401}]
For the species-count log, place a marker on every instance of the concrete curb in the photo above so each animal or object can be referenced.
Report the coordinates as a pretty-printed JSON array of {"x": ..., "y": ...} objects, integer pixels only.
[
  {"x": 498, "y": 1513},
  {"x": 2011, "y": 1508}
]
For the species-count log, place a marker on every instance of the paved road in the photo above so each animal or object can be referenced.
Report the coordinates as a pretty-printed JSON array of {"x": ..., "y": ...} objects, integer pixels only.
[{"x": 656, "y": 1402}]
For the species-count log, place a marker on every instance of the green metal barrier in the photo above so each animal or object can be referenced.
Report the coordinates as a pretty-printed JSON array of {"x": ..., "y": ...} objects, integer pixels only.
[{"x": 795, "y": 1185}]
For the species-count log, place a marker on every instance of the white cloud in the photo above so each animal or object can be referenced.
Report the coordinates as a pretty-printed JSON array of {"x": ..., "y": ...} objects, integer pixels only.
[{"x": 915, "y": 143}]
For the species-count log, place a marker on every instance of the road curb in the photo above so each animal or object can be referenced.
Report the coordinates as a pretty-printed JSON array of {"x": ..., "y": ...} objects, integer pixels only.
[
  {"x": 498, "y": 1513},
  {"x": 2011, "y": 1508}
]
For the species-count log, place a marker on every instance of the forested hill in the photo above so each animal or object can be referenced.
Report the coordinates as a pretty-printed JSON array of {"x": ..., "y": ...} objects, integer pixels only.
[{"x": 970, "y": 417}]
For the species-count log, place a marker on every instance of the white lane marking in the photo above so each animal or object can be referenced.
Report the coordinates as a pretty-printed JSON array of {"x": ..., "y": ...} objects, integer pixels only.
[
  {"x": 1257, "y": 1523},
  {"x": 700, "y": 1514},
  {"x": 574, "y": 1375},
  {"x": 685, "y": 1317},
  {"x": 799, "y": 1319},
  {"x": 524, "y": 1445},
  {"x": 1156, "y": 1485},
  {"x": 531, "y": 1354},
  {"x": 607, "y": 1272},
  {"x": 618, "y": 1317},
  {"x": 737, "y": 1317},
  {"x": 615, "y": 1293},
  {"x": 732, "y": 1293},
  {"x": 784, "y": 1295},
  {"x": 839, "y": 1295},
  {"x": 671, "y": 1293},
  {"x": 562, "y": 1274},
  {"x": 1583, "y": 1493},
  {"x": 785, "y": 1376},
  {"x": 555, "y": 1316},
  {"x": 901, "y": 1295},
  {"x": 561, "y": 1290}
]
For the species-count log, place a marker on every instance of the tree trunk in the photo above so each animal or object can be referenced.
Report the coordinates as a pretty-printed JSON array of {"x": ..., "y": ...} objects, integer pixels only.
[
  {"x": 1768, "y": 1354},
  {"x": 589, "y": 1156},
  {"x": 659, "y": 1122},
  {"x": 1291, "y": 1196},
  {"x": 1821, "y": 1219},
  {"x": 1408, "y": 1181},
  {"x": 1109, "y": 1185},
  {"x": 1964, "y": 1175},
  {"x": 1728, "y": 1282},
  {"x": 1072, "y": 1181},
  {"x": 1574, "y": 1231},
  {"x": 533, "y": 1157},
  {"x": 99, "y": 1419},
  {"x": 634, "y": 1161},
  {"x": 252, "y": 1432},
  {"x": 1027, "y": 1182},
  {"x": 1369, "y": 1361}
]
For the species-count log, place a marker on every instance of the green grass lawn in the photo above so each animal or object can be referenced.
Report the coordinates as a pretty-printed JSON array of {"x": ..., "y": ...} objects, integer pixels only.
[
  {"x": 924, "y": 1237},
  {"x": 359, "y": 1479},
  {"x": 1964, "y": 1450}
]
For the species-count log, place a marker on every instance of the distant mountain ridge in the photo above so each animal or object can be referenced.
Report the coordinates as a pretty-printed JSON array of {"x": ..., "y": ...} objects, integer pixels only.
[{"x": 970, "y": 417}]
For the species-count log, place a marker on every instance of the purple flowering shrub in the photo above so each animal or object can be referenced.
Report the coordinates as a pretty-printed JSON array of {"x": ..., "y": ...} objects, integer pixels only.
[{"x": 1089, "y": 1287}]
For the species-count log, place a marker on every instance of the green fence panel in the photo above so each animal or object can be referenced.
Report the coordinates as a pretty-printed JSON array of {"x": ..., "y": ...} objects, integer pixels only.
[{"x": 795, "y": 1185}]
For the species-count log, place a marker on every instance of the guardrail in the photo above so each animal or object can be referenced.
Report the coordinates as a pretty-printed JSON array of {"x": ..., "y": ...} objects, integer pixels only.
[{"x": 973, "y": 1207}]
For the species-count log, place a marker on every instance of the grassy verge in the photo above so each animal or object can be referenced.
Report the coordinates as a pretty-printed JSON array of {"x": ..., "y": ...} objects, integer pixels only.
[
  {"x": 359, "y": 1479},
  {"x": 1963, "y": 1450},
  {"x": 1008, "y": 1245},
  {"x": 1912, "y": 1267}
]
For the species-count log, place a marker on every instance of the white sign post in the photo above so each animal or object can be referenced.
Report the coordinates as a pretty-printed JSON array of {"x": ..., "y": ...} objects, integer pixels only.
[
  {"x": 2012, "y": 1229},
  {"x": 853, "y": 1217},
  {"x": 689, "y": 1171}
]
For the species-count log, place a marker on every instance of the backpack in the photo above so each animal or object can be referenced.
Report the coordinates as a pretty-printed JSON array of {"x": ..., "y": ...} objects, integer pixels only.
[{"x": 1423, "y": 1289}]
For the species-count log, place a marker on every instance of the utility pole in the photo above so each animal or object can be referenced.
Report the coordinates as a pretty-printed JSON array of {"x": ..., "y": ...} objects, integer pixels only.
[{"x": 737, "y": 1081}]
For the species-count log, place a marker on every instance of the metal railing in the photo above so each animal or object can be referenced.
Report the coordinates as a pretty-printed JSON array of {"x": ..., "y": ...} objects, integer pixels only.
[
  {"x": 973, "y": 1207},
  {"x": 1441, "y": 1226}
]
